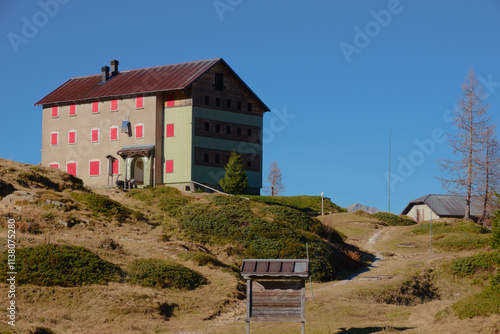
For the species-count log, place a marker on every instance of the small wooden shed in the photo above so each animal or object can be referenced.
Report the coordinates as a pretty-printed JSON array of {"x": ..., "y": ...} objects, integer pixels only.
[{"x": 275, "y": 290}]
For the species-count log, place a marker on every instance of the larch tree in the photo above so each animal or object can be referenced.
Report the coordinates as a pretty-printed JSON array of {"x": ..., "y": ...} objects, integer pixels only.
[
  {"x": 274, "y": 178},
  {"x": 489, "y": 168},
  {"x": 471, "y": 120},
  {"x": 236, "y": 180}
]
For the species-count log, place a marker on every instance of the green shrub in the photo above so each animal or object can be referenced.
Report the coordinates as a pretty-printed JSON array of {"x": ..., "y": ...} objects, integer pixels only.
[
  {"x": 103, "y": 206},
  {"x": 56, "y": 265},
  {"x": 481, "y": 304},
  {"x": 416, "y": 290},
  {"x": 393, "y": 220},
  {"x": 468, "y": 266},
  {"x": 162, "y": 274},
  {"x": 464, "y": 241},
  {"x": 307, "y": 204},
  {"x": 441, "y": 228},
  {"x": 37, "y": 180}
]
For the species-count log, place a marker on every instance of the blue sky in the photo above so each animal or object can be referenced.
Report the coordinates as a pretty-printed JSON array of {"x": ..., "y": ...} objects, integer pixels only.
[{"x": 337, "y": 75}]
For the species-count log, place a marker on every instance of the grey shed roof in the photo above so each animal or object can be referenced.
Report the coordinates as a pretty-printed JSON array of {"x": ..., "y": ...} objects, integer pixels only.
[
  {"x": 447, "y": 205},
  {"x": 276, "y": 268}
]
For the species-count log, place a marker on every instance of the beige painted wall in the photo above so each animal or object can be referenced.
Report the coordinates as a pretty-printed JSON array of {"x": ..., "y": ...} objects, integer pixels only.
[{"x": 425, "y": 213}]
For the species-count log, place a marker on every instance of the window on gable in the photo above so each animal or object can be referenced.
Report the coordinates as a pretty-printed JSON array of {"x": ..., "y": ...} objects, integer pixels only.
[
  {"x": 72, "y": 137},
  {"x": 114, "y": 105},
  {"x": 170, "y": 130},
  {"x": 217, "y": 101},
  {"x": 94, "y": 135},
  {"x": 228, "y": 104},
  {"x": 54, "y": 138},
  {"x": 139, "y": 131},
  {"x": 71, "y": 168},
  {"x": 238, "y": 105},
  {"x": 94, "y": 167},
  {"x": 139, "y": 102},
  {"x": 72, "y": 109},
  {"x": 95, "y": 107},
  {"x": 170, "y": 100},
  {"x": 55, "y": 111},
  {"x": 54, "y": 165},
  {"x": 113, "y": 133},
  {"x": 219, "y": 81},
  {"x": 249, "y": 107},
  {"x": 207, "y": 100}
]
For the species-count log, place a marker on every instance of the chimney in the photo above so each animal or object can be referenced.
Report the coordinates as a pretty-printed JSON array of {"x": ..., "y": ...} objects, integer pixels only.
[
  {"x": 114, "y": 67},
  {"x": 105, "y": 73}
]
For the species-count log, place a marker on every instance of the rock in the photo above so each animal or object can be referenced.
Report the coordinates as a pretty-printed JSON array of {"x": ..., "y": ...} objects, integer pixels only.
[{"x": 59, "y": 205}]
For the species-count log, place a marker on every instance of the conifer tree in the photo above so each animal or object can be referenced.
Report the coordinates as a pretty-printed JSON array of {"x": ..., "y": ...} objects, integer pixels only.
[{"x": 236, "y": 180}]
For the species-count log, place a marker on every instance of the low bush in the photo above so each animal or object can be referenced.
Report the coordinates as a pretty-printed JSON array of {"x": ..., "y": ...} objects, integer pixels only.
[
  {"x": 168, "y": 199},
  {"x": 30, "y": 179},
  {"x": 202, "y": 259},
  {"x": 57, "y": 265},
  {"x": 393, "y": 220},
  {"x": 441, "y": 228},
  {"x": 481, "y": 304},
  {"x": 468, "y": 266},
  {"x": 161, "y": 274},
  {"x": 102, "y": 206},
  {"x": 307, "y": 204},
  {"x": 416, "y": 290},
  {"x": 464, "y": 241}
]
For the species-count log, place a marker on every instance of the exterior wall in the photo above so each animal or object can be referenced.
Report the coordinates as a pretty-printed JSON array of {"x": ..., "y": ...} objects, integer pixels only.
[
  {"x": 84, "y": 150},
  {"x": 424, "y": 213}
]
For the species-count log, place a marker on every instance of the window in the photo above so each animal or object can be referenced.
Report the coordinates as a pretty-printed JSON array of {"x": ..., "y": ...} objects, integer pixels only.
[
  {"x": 219, "y": 81},
  {"x": 71, "y": 168},
  {"x": 55, "y": 111},
  {"x": 228, "y": 104},
  {"x": 249, "y": 132},
  {"x": 217, "y": 159},
  {"x": 139, "y": 102},
  {"x": 207, "y": 126},
  {"x": 170, "y": 100},
  {"x": 139, "y": 131},
  {"x": 205, "y": 157},
  {"x": 114, "y": 105},
  {"x": 170, "y": 130},
  {"x": 113, "y": 133},
  {"x": 207, "y": 100},
  {"x": 95, "y": 107},
  {"x": 249, "y": 163},
  {"x": 238, "y": 105},
  {"x": 228, "y": 129},
  {"x": 72, "y": 109},
  {"x": 72, "y": 137},
  {"x": 217, "y": 101},
  {"x": 249, "y": 107},
  {"x": 227, "y": 159},
  {"x": 94, "y": 167},
  {"x": 54, "y": 165},
  {"x": 116, "y": 167},
  {"x": 94, "y": 135},
  {"x": 169, "y": 166},
  {"x": 217, "y": 128},
  {"x": 238, "y": 131},
  {"x": 54, "y": 138}
]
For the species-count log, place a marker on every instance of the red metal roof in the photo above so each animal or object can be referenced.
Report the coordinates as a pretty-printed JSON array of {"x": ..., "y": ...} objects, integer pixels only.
[{"x": 141, "y": 81}]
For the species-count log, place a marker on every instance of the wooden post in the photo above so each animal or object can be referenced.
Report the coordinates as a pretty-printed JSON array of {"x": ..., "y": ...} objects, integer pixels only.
[{"x": 249, "y": 303}]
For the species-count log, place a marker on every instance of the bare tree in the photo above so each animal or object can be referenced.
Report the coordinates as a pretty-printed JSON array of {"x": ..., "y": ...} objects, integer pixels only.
[
  {"x": 471, "y": 120},
  {"x": 274, "y": 179},
  {"x": 490, "y": 172}
]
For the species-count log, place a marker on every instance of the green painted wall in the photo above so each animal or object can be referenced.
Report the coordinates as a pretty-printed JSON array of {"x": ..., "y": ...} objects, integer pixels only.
[{"x": 179, "y": 147}]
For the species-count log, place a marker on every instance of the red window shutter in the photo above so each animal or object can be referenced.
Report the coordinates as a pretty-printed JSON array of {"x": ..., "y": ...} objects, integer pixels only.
[
  {"x": 116, "y": 166},
  {"x": 72, "y": 109},
  {"x": 71, "y": 168},
  {"x": 54, "y": 165},
  {"x": 54, "y": 138},
  {"x": 55, "y": 111},
  {"x": 72, "y": 137},
  {"x": 114, "y": 105},
  {"x": 113, "y": 133},
  {"x": 95, "y": 135},
  {"x": 169, "y": 166},
  {"x": 170, "y": 130},
  {"x": 139, "y": 102},
  {"x": 94, "y": 168},
  {"x": 170, "y": 100},
  {"x": 95, "y": 107},
  {"x": 139, "y": 131}
]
